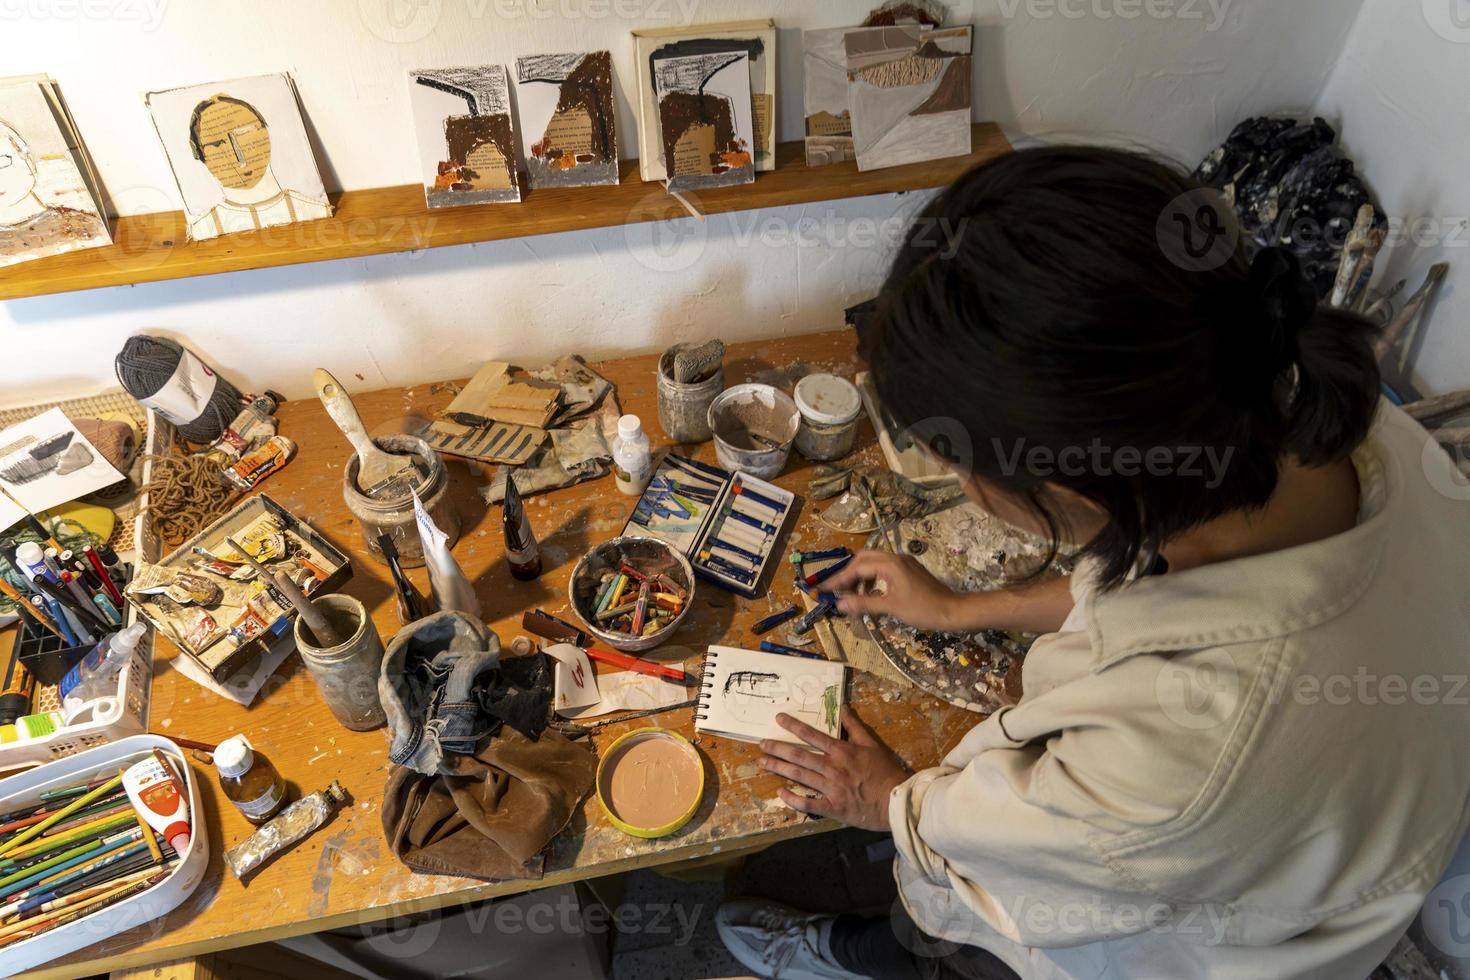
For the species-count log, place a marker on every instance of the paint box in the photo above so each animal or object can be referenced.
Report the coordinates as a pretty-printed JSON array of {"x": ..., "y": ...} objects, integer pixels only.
[{"x": 729, "y": 525}]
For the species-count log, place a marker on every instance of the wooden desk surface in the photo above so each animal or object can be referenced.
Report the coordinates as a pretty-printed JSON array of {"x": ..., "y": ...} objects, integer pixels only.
[{"x": 345, "y": 874}]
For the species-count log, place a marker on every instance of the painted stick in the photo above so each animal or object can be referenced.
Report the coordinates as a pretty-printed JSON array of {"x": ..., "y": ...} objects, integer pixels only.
[
  {"x": 1400, "y": 324},
  {"x": 1427, "y": 409}
]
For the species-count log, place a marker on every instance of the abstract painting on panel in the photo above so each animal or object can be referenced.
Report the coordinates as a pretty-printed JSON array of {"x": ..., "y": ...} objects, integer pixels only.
[
  {"x": 240, "y": 154},
  {"x": 704, "y": 117},
  {"x": 466, "y": 139},
  {"x": 757, "y": 38},
  {"x": 566, "y": 108},
  {"x": 909, "y": 93},
  {"x": 49, "y": 201},
  {"x": 824, "y": 71}
]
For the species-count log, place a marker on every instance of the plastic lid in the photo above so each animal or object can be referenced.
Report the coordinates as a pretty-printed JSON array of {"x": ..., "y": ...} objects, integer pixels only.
[
  {"x": 30, "y": 553},
  {"x": 234, "y": 756},
  {"x": 629, "y": 426},
  {"x": 827, "y": 399},
  {"x": 128, "y": 637}
]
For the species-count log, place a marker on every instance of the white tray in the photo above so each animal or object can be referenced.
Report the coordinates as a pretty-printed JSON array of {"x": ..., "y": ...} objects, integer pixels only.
[{"x": 25, "y": 788}]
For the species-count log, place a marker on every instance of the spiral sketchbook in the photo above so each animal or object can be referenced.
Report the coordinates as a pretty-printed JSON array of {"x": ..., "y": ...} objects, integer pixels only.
[{"x": 744, "y": 690}]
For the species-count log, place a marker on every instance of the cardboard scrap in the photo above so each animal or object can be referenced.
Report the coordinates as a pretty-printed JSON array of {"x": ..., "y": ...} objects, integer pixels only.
[
  {"x": 846, "y": 641},
  {"x": 497, "y": 442},
  {"x": 495, "y": 394}
]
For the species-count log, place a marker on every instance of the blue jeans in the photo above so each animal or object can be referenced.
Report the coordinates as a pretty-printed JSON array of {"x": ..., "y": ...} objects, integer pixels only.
[{"x": 894, "y": 948}]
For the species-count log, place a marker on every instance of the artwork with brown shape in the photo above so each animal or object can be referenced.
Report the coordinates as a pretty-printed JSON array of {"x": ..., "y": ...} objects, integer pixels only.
[
  {"x": 908, "y": 92},
  {"x": 566, "y": 108},
  {"x": 466, "y": 138},
  {"x": 706, "y": 119}
]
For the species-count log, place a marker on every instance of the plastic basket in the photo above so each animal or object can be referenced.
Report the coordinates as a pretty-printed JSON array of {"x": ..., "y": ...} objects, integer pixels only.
[
  {"x": 126, "y": 713},
  {"x": 145, "y": 907}
]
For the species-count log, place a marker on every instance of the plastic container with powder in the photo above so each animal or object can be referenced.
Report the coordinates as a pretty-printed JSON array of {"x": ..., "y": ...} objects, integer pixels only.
[
  {"x": 829, "y": 408},
  {"x": 650, "y": 782}
]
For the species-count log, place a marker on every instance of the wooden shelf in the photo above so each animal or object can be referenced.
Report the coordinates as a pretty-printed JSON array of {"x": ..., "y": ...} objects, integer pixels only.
[{"x": 152, "y": 247}]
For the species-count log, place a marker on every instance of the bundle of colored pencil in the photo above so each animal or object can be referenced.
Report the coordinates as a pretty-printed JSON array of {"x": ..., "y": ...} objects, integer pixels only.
[{"x": 75, "y": 851}]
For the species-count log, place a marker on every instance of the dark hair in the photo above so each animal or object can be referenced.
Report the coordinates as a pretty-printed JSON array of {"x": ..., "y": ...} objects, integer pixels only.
[
  {"x": 1046, "y": 299},
  {"x": 195, "y": 120}
]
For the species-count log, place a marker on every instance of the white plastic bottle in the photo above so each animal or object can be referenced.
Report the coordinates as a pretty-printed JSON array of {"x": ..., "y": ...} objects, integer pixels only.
[
  {"x": 95, "y": 675},
  {"x": 632, "y": 457}
]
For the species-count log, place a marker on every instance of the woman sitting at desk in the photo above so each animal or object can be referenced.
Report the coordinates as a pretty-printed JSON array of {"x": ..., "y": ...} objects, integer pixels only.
[{"x": 1241, "y": 749}]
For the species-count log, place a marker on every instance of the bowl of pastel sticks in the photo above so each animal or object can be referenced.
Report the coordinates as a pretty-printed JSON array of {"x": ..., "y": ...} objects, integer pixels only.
[{"x": 632, "y": 592}]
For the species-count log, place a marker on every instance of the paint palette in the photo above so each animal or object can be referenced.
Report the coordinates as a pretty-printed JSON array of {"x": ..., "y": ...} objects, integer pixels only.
[{"x": 729, "y": 525}]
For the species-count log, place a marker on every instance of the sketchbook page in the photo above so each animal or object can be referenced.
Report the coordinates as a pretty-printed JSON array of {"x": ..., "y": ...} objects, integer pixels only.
[
  {"x": 240, "y": 154},
  {"x": 744, "y": 690},
  {"x": 44, "y": 462},
  {"x": 47, "y": 206}
]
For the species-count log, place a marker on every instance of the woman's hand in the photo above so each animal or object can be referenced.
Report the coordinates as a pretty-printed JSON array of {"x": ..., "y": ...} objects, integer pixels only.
[
  {"x": 908, "y": 591},
  {"x": 855, "y": 777}
]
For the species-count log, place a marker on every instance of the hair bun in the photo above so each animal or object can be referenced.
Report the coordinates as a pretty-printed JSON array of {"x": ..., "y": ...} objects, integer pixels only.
[{"x": 1285, "y": 300}]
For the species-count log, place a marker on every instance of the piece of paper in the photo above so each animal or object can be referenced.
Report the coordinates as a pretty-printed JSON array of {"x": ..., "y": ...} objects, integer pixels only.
[
  {"x": 240, "y": 154},
  {"x": 466, "y": 135},
  {"x": 628, "y": 690},
  {"x": 575, "y": 680},
  {"x": 565, "y": 102},
  {"x": 45, "y": 461},
  {"x": 241, "y": 687},
  {"x": 451, "y": 589}
]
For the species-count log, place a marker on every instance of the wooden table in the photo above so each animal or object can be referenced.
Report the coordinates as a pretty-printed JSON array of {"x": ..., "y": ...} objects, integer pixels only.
[{"x": 345, "y": 875}]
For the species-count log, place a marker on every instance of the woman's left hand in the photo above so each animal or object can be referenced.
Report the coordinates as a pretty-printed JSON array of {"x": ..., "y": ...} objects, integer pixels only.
[{"x": 855, "y": 777}]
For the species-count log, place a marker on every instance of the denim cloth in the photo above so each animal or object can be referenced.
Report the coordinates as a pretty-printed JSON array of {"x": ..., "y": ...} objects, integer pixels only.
[{"x": 428, "y": 689}]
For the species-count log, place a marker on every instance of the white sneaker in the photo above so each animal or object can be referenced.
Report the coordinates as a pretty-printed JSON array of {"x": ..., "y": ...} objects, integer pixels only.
[{"x": 777, "y": 941}]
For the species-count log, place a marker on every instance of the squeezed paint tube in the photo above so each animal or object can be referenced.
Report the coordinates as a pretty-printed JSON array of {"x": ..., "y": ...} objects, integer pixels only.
[
  {"x": 452, "y": 591},
  {"x": 285, "y": 830}
]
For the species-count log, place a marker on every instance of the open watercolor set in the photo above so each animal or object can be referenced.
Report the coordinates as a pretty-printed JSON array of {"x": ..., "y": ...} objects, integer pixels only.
[{"x": 729, "y": 525}]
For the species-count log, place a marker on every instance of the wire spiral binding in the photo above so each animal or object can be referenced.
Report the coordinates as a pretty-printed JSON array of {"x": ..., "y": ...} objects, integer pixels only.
[{"x": 706, "y": 688}]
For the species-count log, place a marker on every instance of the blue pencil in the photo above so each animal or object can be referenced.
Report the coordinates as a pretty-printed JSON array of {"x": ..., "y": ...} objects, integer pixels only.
[
  {"x": 23, "y": 883},
  {"x": 769, "y": 647}
]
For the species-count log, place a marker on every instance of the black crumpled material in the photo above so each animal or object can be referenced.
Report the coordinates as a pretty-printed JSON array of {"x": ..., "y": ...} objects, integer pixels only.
[
  {"x": 518, "y": 694},
  {"x": 1293, "y": 187}
]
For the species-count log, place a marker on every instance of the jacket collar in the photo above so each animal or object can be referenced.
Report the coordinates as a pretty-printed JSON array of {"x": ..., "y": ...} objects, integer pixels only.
[{"x": 1256, "y": 598}]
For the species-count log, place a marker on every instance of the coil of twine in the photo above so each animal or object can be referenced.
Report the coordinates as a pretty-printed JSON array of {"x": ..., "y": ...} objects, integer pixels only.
[{"x": 144, "y": 366}]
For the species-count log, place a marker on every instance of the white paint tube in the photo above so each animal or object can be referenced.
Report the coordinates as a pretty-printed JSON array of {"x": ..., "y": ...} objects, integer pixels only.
[{"x": 450, "y": 587}]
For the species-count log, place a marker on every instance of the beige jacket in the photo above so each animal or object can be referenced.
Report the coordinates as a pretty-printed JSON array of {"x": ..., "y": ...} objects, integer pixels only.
[{"x": 1252, "y": 769}]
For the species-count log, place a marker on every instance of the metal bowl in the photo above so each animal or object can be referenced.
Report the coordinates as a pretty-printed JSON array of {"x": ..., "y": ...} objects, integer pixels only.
[{"x": 641, "y": 552}]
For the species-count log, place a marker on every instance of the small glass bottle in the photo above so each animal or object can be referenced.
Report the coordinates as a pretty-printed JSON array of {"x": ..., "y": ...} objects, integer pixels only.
[
  {"x": 249, "y": 780},
  {"x": 522, "y": 552}
]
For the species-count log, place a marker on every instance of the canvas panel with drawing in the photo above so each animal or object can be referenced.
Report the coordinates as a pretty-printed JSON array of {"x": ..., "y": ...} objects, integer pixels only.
[
  {"x": 705, "y": 117},
  {"x": 757, "y": 38},
  {"x": 744, "y": 690},
  {"x": 240, "y": 154},
  {"x": 565, "y": 103},
  {"x": 466, "y": 137},
  {"x": 909, "y": 93},
  {"x": 50, "y": 201}
]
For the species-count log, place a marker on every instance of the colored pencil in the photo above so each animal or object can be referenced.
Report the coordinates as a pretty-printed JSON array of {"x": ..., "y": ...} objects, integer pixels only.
[{"x": 62, "y": 814}]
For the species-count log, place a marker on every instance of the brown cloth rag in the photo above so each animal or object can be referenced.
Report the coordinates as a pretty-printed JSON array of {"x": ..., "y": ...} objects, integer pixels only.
[{"x": 491, "y": 817}]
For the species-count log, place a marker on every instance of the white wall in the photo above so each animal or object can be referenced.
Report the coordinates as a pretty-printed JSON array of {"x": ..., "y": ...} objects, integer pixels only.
[
  {"x": 1398, "y": 94},
  {"x": 1171, "y": 74}
]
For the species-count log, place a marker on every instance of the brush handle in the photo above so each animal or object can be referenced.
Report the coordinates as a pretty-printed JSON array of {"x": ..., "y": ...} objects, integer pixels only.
[
  {"x": 310, "y": 615},
  {"x": 339, "y": 406}
]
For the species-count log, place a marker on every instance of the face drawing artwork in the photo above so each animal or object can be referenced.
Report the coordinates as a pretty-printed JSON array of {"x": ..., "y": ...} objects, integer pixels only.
[
  {"x": 232, "y": 141},
  {"x": 17, "y": 175}
]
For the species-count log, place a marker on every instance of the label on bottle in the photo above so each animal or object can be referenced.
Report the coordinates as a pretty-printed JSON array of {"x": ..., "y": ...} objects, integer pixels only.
[{"x": 262, "y": 804}]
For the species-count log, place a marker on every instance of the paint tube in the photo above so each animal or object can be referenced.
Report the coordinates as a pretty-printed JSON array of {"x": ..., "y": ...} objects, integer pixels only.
[
  {"x": 253, "y": 467},
  {"x": 452, "y": 591},
  {"x": 155, "y": 793},
  {"x": 285, "y": 830}
]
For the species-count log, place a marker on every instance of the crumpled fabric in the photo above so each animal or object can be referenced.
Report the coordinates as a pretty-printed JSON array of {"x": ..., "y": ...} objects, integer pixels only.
[
  {"x": 447, "y": 692},
  {"x": 488, "y": 815}
]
